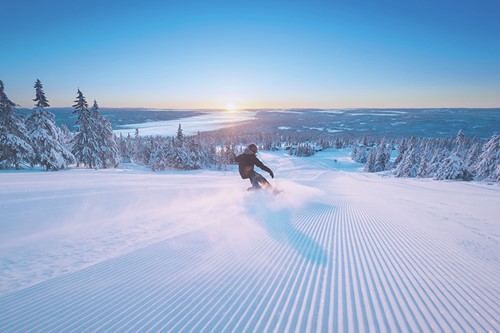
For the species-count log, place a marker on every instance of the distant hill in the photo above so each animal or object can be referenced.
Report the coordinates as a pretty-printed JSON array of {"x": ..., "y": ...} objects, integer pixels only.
[{"x": 481, "y": 123}]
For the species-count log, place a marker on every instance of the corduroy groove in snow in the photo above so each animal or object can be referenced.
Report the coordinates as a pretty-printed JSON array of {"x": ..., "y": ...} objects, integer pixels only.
[{"x": 339, "y": 267}]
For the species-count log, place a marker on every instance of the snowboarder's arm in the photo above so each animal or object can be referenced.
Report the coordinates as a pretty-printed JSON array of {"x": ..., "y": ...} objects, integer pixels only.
[{"x": 263, "y": 167}]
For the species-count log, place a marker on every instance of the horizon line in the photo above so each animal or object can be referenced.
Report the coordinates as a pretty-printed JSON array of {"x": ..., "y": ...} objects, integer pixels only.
[{"x": 269, "y": 108}]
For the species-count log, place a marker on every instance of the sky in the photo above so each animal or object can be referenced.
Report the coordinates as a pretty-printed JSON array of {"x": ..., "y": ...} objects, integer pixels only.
[{"x": 253, "y": 54}]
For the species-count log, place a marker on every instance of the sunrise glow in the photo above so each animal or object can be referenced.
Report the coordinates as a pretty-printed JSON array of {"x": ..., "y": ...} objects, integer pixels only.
[{"x": 231, "y": 107}]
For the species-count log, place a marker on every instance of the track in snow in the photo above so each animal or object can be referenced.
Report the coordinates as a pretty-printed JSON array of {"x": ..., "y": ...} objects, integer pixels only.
[{"x": 334, "y": 267}]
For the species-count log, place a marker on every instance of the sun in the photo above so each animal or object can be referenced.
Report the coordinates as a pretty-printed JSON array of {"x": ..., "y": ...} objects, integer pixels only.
[{"x": 231, "y": 107}]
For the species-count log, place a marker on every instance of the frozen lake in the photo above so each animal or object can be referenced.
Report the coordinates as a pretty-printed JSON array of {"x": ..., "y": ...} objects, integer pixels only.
[{"x": 190, "y": 125}]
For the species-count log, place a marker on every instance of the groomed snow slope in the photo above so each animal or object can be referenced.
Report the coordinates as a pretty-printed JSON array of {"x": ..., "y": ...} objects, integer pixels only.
[{"x": 130, "y": 250}]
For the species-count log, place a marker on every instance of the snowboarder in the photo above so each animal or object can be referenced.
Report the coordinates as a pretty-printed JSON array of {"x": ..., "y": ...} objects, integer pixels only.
[{"x": 246, "y": 163}]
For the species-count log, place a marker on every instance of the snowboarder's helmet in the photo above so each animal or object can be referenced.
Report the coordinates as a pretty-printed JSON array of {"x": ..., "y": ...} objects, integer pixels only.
[{"x": 253, "y": 148}]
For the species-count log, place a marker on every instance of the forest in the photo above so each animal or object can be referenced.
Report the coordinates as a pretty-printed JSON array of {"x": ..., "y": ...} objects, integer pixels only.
[{"x": 36, "y": 140}]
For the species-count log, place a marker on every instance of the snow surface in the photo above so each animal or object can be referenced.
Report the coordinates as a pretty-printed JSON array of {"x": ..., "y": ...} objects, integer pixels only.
[{"x": 339, "y": 250}]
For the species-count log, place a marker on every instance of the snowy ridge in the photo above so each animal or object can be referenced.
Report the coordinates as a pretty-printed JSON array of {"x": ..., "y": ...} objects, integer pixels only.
[{"x": 324, "y": 256}]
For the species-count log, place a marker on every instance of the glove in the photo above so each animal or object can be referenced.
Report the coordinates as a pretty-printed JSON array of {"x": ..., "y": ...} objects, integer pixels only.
[{"x": 271, "y": 174}]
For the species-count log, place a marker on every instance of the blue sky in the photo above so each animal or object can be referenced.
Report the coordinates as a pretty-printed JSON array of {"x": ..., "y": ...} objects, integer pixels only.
[{"x": 254, "y": 54}]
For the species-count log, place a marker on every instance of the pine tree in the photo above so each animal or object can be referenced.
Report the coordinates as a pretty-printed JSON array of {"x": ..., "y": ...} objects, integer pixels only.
[
  {"x": 370, "y": 161},
  {"x": 159, "y": 156},
  {"x": 382, "y": 157},
  {"x": 436, "y": 160},
  {"x": 125, "y": 148},
  {"x": 107, "y": 147},
  {"x": 338, "y": 144},
  {"x": 86, "y": 142},
  {"x": 302, "y": 150},
  {"x": 225, "y": 156},
  {"x": 423, "y": 167},
  {"x": 15, "y": 144},
  {"x": 177, "y": 156},
  {"x": 65, "y": 135},
  {"x": 194, "y": 150},
  {"x": 488, "y": 166},
  {"x": 141, "y": 153},
  {"x": 359, "y": 153},
  {"x": 49, "y": 148},
  {"x": 453, "y": 168},
  {"x": 460, "y": 139},
  {"x": 460, "y": 148},
  {"x": 40, "y": 99},
  {"x": 204, "y": 154},
  {"x": 129, "y": 146},
  {"x": 180, "y": 135},
  {"x": 401, "y": 151},
  {"x": 408, "y": 166},
  {"x": 472, "y": 156},
  {"x": 378, "y": 158}
]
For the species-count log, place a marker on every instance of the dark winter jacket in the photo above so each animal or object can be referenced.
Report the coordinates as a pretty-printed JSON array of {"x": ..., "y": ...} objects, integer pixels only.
[{"x": 246, "y": 162}]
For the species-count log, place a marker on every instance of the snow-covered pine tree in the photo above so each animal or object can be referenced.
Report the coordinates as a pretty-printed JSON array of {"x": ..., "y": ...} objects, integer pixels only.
[
  {"x": 382, "y": 157},
  {"x": 159, "y": 156},
  {"x": 149, "y": 145},
  {"x": 488, "y": 167},
  {"x": 338, "y": 144},
  {"x": 225, "y": 156},
  {"x": 378, "y": 158},
  {"x": 40, "y": 99},
  {"x": 129, "y": 146},
  {"x": 453, "y": 168},
  {"x": 139, "y": 148},
  {"x": 108, "y": 149},
  {"x": 125, "y": 148},
  {"x": 196, "y": 156},
  {"x": 472, "y": 156},
  {"x": 370, "y": 161},
  {"x": 213, "y": 155},
  {"x": 205, "y": 155},
  {"x": 65, "y": 135},
  {"x": 180, "y": 135},
  {"x": 359, "y": 153},
  {"x": 438, "y": 155},
  {"x": 15, "y": 144},
  {"x": 183, "y": 154},
  {"x": 401, "y": 152},
  {"x": 86, "y": 141},
  {"x": 178, "y": 156},
  {"x": 460, "y": 139},
  {"x": 50, "y": 151},
  {"x": 302, "y": 150},
  {"x": 423, "y": 167},
  {"x": 141, "y": 153},
  {"x": 460, "y": 145},
  {"x": 408, "y": 166}
]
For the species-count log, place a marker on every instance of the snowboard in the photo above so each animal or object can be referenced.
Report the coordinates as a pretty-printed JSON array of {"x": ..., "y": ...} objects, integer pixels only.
[{"x": 269, "y": 189}]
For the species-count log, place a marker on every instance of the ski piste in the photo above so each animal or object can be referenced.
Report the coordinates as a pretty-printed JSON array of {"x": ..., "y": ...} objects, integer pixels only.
[{"x": 339, "y": 251}]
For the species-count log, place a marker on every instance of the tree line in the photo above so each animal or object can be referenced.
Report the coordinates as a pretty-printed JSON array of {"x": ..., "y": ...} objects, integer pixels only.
[
  {"x": 461, "y": 158},
  {"x": 37, "y": 140},
  {"x": 179, "y": 152}
]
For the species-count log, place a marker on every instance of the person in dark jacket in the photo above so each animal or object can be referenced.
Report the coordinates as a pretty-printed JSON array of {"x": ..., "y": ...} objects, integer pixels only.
[{"x": 246, "y": 163}]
